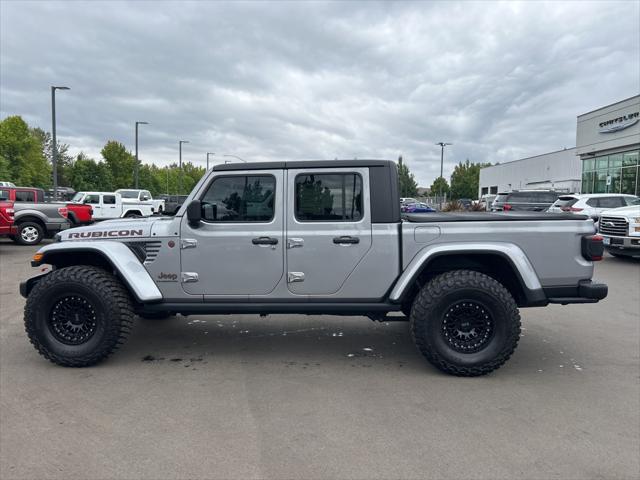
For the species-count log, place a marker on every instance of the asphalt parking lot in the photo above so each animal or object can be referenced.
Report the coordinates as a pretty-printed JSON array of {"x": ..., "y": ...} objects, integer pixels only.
[{"x": 292, "y": 396}]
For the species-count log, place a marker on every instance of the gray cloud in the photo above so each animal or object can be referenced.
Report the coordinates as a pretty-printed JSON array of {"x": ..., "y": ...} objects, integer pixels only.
[{"x": 268, "y": 81}]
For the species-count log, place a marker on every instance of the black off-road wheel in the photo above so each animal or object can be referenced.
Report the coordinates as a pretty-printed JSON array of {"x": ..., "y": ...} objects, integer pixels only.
[
  {"x": 77, "y": 316},
  {"x": 465, "y": 323}
]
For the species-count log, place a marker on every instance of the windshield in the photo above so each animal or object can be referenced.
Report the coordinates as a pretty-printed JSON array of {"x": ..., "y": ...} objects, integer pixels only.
[
  {"x": 77, "y": 197},
  {"x": 129, "y": 193}
]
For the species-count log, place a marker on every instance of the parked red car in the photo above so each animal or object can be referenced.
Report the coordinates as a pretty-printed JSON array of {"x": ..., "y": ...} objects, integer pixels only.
[
  {"x": 6, "y": 218},
  {"x": 79, "y": 214}
]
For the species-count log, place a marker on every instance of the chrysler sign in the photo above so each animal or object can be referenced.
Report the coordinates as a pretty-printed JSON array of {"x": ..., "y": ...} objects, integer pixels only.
[{"x": 619, "y": 123}]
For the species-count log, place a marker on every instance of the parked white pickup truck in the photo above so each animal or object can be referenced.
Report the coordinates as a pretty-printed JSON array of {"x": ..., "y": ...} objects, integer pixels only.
[
  {"x": 620, "y": 228},
  {"x": 142, "y": 196},
  {"x": 108, "y": 205}
]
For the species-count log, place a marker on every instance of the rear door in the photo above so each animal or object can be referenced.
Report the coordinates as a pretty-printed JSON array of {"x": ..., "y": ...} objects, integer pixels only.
[
  {"x": 328, "y": 228},
  {"x": 238, "y": 247},
  {"x": 108, "y": 206},
  {"x": 607, "y": 203}
]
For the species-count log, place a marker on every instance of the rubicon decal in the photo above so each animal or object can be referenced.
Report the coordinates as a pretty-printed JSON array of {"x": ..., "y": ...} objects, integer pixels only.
[{"x": 107, "y": 234}]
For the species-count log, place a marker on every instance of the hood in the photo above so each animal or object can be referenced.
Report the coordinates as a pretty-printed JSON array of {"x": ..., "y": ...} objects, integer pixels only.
[
  {"x": 630, "y": 211},
  {"x": 118, "y": 229}
]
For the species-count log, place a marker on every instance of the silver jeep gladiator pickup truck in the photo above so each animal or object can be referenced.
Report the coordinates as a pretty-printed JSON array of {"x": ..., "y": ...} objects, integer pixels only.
[{"x": 323, "y": 237}]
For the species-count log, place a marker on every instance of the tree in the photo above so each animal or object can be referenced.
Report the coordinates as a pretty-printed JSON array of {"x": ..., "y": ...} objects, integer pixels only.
[
  {"x": 120, "y": 162},
  {"x": 439, "y": 187},
  {"x": 21, "y": 155},
  {"x": 87, "y": 174},
  {"x": 406, "y": 182},
  {"x": 63, "y": 158},
  {"x": 465, "y": 179}
]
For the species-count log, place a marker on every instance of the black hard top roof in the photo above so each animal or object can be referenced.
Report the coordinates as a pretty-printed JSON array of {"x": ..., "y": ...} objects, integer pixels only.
[{"x": 302, "y": 164}]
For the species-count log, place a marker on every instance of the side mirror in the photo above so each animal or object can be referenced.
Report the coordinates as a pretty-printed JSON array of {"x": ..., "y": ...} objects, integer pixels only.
[{"x": 194, "y": 213}]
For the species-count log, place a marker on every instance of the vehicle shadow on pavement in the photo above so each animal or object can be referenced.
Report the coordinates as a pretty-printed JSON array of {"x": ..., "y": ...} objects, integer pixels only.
[
  {"x": 310, "y": 342},
  {"x": 199, "y": 342}
]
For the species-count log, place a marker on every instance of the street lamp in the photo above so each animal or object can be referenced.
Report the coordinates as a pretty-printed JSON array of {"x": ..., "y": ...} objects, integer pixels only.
[
  {"x": 54, "y": 147},
  {"x": 180, "y": 142},
  {"x": 137, "y": 161},
  {"x": 209, "y": 153},
  {"x": 235, "y": 156},
  {"x": 442, "y": 145}
]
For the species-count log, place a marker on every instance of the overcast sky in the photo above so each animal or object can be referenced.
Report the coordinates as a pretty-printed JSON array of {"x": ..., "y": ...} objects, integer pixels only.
[{"x": 272, "y": 81}]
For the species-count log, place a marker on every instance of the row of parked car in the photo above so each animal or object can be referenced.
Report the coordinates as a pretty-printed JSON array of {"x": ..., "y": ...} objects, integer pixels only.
[{"x": 27, "y": 215}]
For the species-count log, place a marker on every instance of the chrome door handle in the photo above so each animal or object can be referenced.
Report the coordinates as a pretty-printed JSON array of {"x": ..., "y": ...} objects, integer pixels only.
[
  {"x": 295, "y": 242},
  {"x": 346, "y": 240},
  {"x": 265, "y": 241}
]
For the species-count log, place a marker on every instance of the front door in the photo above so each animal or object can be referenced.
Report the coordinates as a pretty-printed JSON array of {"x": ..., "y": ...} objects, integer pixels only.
[
  {"x": 237, "y": 249},
  {"x": 328, "y": 228}
]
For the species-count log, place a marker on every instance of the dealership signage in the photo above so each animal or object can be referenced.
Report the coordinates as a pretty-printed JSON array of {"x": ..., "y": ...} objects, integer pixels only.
[{"x": 619, "y": 123}]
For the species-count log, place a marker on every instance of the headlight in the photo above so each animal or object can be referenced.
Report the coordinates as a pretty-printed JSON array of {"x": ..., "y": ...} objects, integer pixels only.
[{"x": 636, "y": 220}]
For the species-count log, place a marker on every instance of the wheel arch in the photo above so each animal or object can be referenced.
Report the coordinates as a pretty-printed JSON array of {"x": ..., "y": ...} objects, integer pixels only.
[
  {"x": 30, "y": 218},
  {"x": 112, "y": 256},
  {"x": 505, "y": 262}
]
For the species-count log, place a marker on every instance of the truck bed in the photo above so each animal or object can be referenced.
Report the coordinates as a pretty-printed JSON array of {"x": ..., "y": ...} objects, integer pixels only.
[{"x": 440, "y": 217}]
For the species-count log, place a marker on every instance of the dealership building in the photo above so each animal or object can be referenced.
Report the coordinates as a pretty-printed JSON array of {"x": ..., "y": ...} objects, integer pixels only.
[{"x": 605, "y": 159}]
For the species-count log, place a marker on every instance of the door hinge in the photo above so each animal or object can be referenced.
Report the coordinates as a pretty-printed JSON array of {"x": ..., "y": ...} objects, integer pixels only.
[
  {"x": 293, "y": 277},
  {"x": 188, "y": 243},
  {"x": 189, "y": 277},
  {"x": 295, "y": 242}
]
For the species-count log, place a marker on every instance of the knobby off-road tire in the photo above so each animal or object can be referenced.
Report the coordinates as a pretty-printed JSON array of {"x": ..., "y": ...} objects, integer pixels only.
[
  {"x": 465, "y": 323},
  {"x": 77, "y": 316}
]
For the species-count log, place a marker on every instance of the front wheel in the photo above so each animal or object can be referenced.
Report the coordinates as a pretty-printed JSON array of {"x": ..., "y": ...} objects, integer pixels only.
[
  {"x": 77, "y": 316},
  {"x": 465, "y": 323}
]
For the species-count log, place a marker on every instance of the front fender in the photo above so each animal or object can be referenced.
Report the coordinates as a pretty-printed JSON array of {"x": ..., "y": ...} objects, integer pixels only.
[
  {"x": 510, "y": 251},
  {"x": 118, "y": 255}
]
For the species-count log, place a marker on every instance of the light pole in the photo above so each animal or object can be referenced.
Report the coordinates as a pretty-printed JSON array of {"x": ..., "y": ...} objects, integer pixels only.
[
  {"x": 209, "y": 153},
  {"x": 180, "y": 142},
  {"x": 442, "y": 145},
  {"x": 235, "y": 156},
  {"x": 54, "y": 145},
  {"x": 138, "y": 161}
]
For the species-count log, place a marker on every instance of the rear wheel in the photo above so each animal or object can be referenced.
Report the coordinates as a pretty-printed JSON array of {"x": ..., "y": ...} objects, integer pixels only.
[
  {"x": 465, "y": 323},
  {"x": 77, "y": 316},
  {"x": 29, "y": 233}
]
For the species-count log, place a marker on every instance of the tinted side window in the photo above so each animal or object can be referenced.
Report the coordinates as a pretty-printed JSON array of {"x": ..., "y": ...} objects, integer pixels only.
[
  {"x": 25, "y": 196},
  {"x": 333, "y": 197},
  {"x": 593, "y": 202},
  {"x": 93, "y": 199},
  {"x": 610, "y": 202},
  {"x": 109, "y": 199},
  {"x": 242, "y": 198},
  {"x": 522, "y": 197}
]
